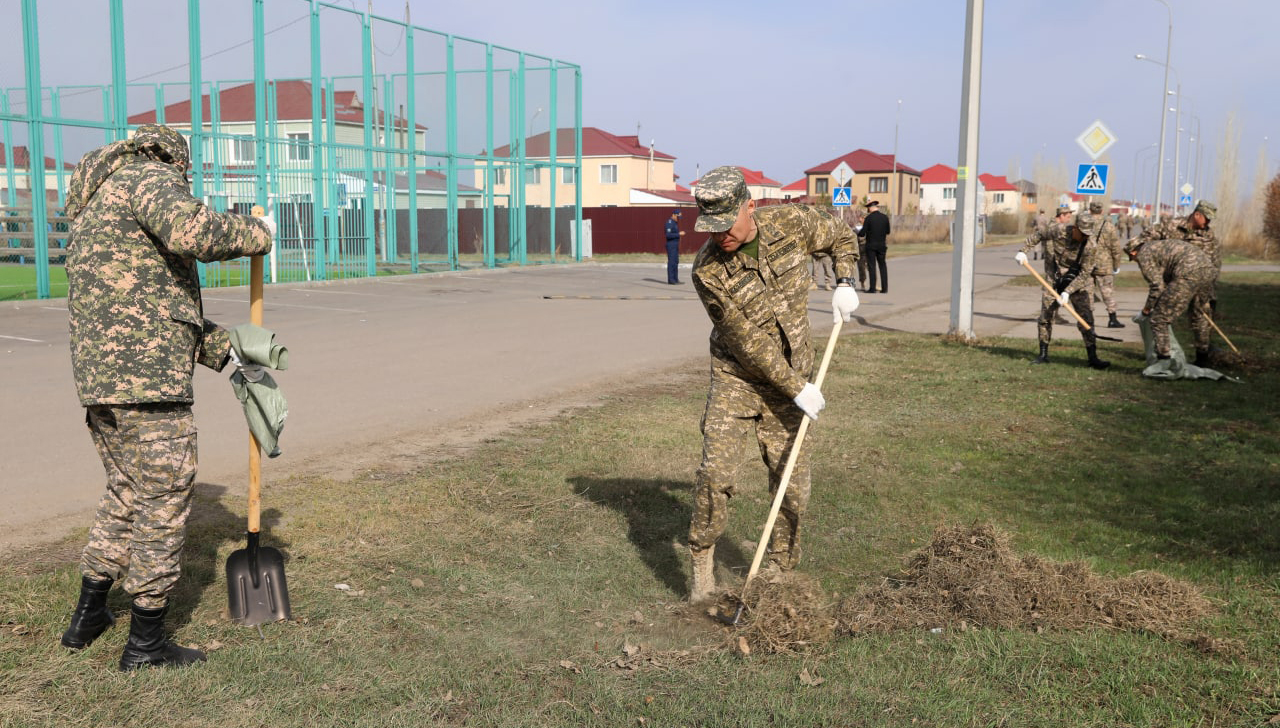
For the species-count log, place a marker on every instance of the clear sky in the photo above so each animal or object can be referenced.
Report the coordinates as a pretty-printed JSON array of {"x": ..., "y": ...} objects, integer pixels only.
[{"x": 782, "y": 87}]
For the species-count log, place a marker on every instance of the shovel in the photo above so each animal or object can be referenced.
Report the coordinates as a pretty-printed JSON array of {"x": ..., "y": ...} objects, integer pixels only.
[
  {"x": 792, "y": 458},
  {"x": 256, "y": 589}
]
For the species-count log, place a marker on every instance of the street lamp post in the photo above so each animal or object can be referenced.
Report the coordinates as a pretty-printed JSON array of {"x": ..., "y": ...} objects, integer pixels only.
[
  {"x": 1164, "y": 89},
  {"x": 895, "y": 203},
  {"x": 1133, "y": 185}
]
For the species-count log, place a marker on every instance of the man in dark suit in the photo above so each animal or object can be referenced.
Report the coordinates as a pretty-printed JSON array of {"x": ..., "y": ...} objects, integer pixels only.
[{"x": 875, "y": 230}]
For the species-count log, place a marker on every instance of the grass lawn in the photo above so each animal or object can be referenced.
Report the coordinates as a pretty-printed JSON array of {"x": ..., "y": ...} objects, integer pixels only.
[{"x": 538, "y": 579}]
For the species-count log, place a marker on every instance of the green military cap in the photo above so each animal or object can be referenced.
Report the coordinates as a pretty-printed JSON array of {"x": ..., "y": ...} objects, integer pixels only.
[
  {"x": 1095, "y": 208},
  {"x": 168, "y": 142},
  {"x": 1087, "y": 223},
  {"x": 720, "y": 194},
  {"x": 1206, "y": 208}
]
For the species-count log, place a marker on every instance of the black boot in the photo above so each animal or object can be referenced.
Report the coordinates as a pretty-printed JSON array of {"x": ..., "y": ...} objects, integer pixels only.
[
  {"x": 1114, "y": 323},
  {"x": 1044, "y": 355},
  {"x": 148, "y": 645},
  {"x": 1202, "y": 358},
  {"x": 91, "y": 616},
  {"x": 1094, "y": 361}
]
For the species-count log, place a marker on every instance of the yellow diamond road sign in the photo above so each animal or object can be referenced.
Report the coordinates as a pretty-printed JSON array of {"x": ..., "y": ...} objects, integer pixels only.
[{"x": 1096, "y": 139}]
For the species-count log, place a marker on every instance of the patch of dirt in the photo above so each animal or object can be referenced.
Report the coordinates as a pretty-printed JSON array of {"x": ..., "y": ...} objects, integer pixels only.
[{"x": 970, "y": 577}]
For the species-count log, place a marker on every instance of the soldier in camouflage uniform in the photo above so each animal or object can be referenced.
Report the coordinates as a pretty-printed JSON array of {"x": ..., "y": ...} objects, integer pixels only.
[
  {"x": 1194, "y": 229},
  {"x": 1042, "y": 240},
  {"x": 137, "y": 329},
  {"x": 1180, "y": 275},
  {"x": 1074, "y": 256},
  {"x": 752, "y": 279},
  {"x": 1110, "y": 255}
]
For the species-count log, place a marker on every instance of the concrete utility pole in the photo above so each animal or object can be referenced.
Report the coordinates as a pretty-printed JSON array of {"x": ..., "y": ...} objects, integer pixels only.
[{"x": 964, "y": 226}]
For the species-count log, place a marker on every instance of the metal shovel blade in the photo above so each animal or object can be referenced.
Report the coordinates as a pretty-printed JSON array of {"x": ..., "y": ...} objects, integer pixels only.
[{"x": 257, "y": 592}]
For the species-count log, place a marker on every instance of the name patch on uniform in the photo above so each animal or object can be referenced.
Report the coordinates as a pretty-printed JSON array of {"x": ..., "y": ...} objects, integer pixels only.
[
  {"x": 742, "y": 282},
  {"x": 782, "y": 251}
]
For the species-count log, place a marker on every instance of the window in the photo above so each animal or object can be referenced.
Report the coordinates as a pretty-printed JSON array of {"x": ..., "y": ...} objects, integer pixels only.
[
  {"x": 878, "y": 184},
  {"x": 948, "y": 193},
  {"x": 568, "y": 175},
  {"x": 500, "y": 175},
  {"x": 300, "y": 147},
  {"x": 999, "y": 197},
  {"x": 821, "y": 186},
  {"x": 608, "y": 174},
  {"x": 242, "y": 149},
  {"x": 533, "y": 175}
]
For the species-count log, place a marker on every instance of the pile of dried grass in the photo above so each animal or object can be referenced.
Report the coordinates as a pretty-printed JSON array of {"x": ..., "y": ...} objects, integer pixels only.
[
  {"x": 785, "y": 612},
  {"x": 970, "y": 577}
]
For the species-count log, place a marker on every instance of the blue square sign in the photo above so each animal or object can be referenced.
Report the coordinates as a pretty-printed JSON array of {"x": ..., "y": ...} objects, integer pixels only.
[
  {"x": 841, "y": 197},
  {"x": 1092, "y": 179}
]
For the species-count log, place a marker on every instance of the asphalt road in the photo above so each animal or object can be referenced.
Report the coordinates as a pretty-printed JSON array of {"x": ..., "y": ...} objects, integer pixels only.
[{"x": 384, "y": 367}]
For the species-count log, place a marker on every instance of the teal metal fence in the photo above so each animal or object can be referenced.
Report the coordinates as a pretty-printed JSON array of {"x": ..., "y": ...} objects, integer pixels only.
[{"x": 372, "y": 160}]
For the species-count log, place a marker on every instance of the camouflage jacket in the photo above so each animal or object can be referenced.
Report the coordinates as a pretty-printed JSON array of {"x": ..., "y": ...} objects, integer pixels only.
[
  {"x": 1044, "y": 235},
  {"x": 1180, "y": 229},
  {"x": 759, "y": 309},
  {"x": 136, "y": 318},
  {"x": 1164, "y": 260},
  {"x": 1110, "y": 248},
  {"x": 1061, "y": 253}
]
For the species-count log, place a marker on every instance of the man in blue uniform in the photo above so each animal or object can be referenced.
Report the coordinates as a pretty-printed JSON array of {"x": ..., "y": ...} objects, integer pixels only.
[{"x": 674, "y": 233}]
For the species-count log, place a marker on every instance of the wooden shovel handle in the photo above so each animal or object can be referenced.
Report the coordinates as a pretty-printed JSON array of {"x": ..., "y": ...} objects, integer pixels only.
[
  {"x": 794, "y": 456},
  {"x": 1049, "y": 288},
  {"x": 255, "y": 453}
]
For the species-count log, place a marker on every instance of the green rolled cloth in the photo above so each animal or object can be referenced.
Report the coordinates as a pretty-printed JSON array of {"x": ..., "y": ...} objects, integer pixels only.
[{"x": 254, "y": 351}]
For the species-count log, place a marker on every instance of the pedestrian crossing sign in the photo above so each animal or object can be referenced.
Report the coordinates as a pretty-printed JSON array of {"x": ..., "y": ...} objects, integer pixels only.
[
  {"x": 1184, "y": 200},
  {"x": 1092, "y": 179},
  {"x": 842, "y": 197}
]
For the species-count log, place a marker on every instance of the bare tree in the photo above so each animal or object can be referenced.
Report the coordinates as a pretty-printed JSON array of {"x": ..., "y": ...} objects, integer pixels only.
[{"x": 1271, "y": 218}]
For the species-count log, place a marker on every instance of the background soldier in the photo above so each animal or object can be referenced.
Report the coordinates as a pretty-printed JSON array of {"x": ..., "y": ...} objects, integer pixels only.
[
  {"x": 1194, "y": 229},
  {"x": 137, "y": 329},
  {"x": 1074, "y": 256},
  {"x": 753, "y": 280},
  {"x": 1179, "y": 275},
  {"x": 1110, "y": 254}
]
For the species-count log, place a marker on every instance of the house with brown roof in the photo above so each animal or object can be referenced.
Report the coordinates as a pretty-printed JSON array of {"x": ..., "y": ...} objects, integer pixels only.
[
  {"x": 938, "y": 185},
  {"x": 228, "y": 118},
  {"x": 617, "y": 171},
  {"x": 875, "y": 176}
]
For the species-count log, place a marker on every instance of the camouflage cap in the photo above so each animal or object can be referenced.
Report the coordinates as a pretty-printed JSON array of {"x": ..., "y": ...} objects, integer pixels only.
[
  {"x": 165, "y": 140},
  {"x": 1206, "y": 208},
  {"x": 1133, "y": 245},
  {"x": 1062, "y": 210},
  {"x": 720, "y": 194},
  {"x": 1087, "y": 223},
  {"x": 1095, "y": 208}
]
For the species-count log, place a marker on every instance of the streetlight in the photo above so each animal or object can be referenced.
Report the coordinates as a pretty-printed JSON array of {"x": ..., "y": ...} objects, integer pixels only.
[
  {"x": 1133, "y": 192},
  {"x": 892, "y": 201},
  {"x": 1176, "y": 109},
  {"x": 1168, "y": 45}
]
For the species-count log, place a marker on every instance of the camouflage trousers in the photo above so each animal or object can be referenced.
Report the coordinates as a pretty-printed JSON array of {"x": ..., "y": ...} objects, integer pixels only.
[
  {"x": 149, "y": 453},
  {"x": 824, "y": 272},
  {"x": 1188, "y": 293},
  {"x": 862, "y": 263},
  {"x": 1106, "y": 287},
  {"x": 1081, "y": 301},
  {"x": 734, "y": 412}
]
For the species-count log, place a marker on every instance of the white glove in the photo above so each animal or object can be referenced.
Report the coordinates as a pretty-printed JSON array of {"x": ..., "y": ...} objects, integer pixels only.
[
  {"x": 1021, "y": 257},
  {"x": 810, "y": 400},
  {"x": 270, "y": 221},
  {"x": 1115, "y": 272},
  {"x": 843, "y": 303},
  {"x": 1063, "y": 298},
  {"x": 251, "y": 372}
]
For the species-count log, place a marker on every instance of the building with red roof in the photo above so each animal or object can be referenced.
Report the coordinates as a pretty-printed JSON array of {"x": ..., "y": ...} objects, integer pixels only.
[
  {"x": 617, "y": 171},
  {"x": 1000, "y": 195},
  {"x": 879, "y": 177}
]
